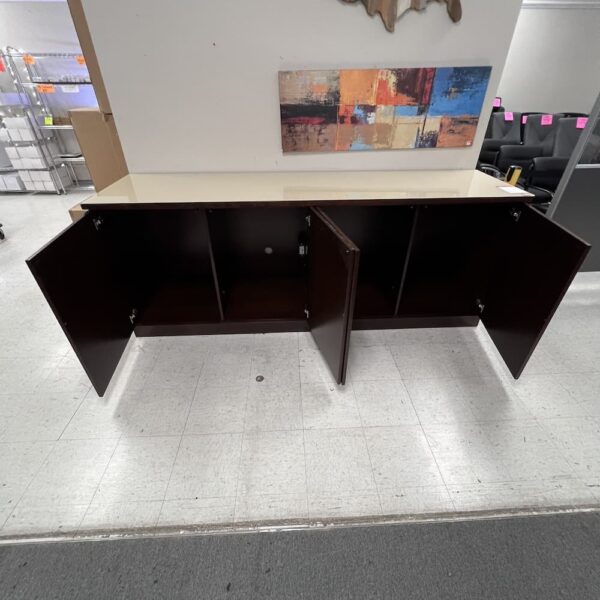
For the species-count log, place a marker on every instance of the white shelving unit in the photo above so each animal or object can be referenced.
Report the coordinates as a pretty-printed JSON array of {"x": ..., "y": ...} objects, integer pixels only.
[{"x": 39, "y": 140}]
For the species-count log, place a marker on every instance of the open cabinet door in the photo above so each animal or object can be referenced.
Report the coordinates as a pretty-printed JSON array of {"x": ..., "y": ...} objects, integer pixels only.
[
  {"x": 537, "y": 261},
  {"x": 79, "y": 274},
  {"x": 333, "y": 274}
]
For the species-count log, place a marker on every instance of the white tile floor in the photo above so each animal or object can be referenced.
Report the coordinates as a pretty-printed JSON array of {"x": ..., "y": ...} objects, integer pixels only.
[{"x": 431, "y": 420}]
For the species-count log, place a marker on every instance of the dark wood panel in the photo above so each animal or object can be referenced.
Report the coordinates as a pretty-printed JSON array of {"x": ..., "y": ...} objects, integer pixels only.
[
  {"x": 448, "y": 268},
  {"x": 84, "y": 281},
  {"x": 224, "y": 327},
  {"x": 244, "y": 204},
  {"x": 261, "y": 271},
  {"x": 415, "y": 322},
  {"x": 538, "y": 259},
  {"x": 182, "y": 303},
  {"x": 170, "y": 270},
  {"x": 291, "y": 325},
  {"x": 265, "y": 299},
  {"x": 382, "y": 234},
  {"x": 332, "y": 281}
]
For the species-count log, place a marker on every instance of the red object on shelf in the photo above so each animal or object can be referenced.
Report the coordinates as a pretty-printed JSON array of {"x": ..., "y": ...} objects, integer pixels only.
[{"x": 2, "y": 67}]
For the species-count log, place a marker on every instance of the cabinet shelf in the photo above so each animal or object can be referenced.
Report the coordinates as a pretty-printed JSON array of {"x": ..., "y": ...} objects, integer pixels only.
[
  {"x": 182, "y": 304},
  {"x": 265, "y": 299}
]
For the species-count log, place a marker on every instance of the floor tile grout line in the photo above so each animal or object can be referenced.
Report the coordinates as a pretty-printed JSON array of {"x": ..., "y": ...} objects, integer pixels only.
[
  {"x": 556, "y": 443},
  {"x": 37, "y": 472},
  {"x": 83, "y": 399},
  {"x": 242, "y": 437},
  {"x": 100, "y": 481},
  {"x": 430, "y": 448},
  {"x": 193, "y": 397},
  {"x": 364, "y": 435},
  {"x": 303, "y": 433}
]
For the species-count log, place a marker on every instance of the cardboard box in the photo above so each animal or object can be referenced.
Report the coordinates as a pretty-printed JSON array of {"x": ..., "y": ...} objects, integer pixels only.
[
  {"x": 87, "y": 47},
  {"x": 76, "y": 212},
  {"x": 100, "y": 145}
]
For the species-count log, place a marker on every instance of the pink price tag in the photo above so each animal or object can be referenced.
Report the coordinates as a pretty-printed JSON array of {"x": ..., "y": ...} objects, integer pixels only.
[
  {"x": 547, "y": 120},
  {"x": 524, "y": 119},
  {"x": 582, "y": 122},
  {"x": 508, "y": 116},
  {"x": 497, "y": 102}
]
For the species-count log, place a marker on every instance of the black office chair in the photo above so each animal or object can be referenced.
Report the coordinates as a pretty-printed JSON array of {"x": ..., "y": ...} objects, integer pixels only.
[
  {"x": 490, "y": 126},
  {"x": 524, "y": 118},
  {"x": 495, "y": 109},
  {"x": 546, "y": 171},
  {"x": 503, "y": 131},
  {"x": 538, "y": 140}
]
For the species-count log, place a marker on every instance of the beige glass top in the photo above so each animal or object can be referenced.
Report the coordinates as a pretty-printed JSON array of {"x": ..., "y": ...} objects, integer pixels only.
[{"x": 211, "y": 188}]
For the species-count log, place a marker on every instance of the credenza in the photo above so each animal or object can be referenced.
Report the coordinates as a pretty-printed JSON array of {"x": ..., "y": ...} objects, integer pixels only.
[{"x": 200, "y": 254}]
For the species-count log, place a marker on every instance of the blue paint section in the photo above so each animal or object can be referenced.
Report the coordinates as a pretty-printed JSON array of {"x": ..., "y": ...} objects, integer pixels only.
[
  {"x": 360, "y": 145},
  {"x": 406, "y": 111},
  {"x": 364, "y": 114},
  {"x": 459, "y": 91}
]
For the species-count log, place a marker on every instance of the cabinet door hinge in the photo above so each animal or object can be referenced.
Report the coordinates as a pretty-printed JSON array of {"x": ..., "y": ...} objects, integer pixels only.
[
  {"x": 515, "y": 213},
  {"x": 133, "y": 315},
  {"x": 307, "y": 312},
  {"x": 303, "y": 249},
  {"x": 308, "y": 219},
  {"x": 98, "y": 222},
  {"x": 480, "y": 306}
]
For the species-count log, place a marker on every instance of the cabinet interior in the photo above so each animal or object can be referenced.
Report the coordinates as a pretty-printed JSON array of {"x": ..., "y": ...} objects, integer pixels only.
[
  {"x": 260, "y": 262},
  {"x": 168, "y": 256},
  {"x": 382, "y": 233},
  {"x": 250, "y": 264}
]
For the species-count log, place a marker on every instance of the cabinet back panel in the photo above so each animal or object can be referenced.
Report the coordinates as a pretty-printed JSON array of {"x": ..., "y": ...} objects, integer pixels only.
[
  {"x": 451, "y": 259},
  {"x": 258, "y": 241},
  {"x": 261, "y": 272},
  {"x": 168, "y": 253},
  {"x": 382, "y": 233}
]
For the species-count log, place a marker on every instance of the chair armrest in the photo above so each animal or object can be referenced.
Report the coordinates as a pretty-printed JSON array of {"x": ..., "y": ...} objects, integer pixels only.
[
  {"x": 520, "y": 153},
  {"x": 490, "y": 170},
  {"x": 542, "y": 195},
  {"x": 544, "y": 164},
  {"x": 491, "y": 145}
]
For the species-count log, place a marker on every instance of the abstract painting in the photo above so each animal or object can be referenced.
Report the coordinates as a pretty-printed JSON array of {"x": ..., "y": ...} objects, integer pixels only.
[{"x": 381, "y": 109}]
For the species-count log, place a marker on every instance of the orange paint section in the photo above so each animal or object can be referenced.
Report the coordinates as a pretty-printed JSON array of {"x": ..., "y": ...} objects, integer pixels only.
[
  {"x": 319, "y": 89},
  {"x": 457, "y": 131},
  {"x": 358, "y": 86}
]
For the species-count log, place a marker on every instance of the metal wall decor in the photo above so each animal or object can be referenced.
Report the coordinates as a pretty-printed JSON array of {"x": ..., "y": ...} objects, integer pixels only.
[{"x": 392, "y": 10}]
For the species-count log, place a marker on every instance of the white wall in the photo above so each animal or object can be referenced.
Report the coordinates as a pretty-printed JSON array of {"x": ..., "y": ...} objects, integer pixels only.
[
  {"x": 37, "y": 27},
  {"x": 554, "y": 61},
  {"x": 193, "y": 83}
]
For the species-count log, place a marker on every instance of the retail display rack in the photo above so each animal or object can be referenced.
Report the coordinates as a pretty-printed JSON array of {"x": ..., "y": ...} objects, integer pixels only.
[{"x": 37, "y": 90}]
